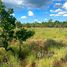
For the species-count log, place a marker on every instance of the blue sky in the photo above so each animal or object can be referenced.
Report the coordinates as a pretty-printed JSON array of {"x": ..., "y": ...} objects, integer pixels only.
[{"x": 38, "y": 10}]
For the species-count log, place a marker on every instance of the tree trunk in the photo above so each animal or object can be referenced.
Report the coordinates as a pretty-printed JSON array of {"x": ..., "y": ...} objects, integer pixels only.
[{"x": 20, "y": 48}]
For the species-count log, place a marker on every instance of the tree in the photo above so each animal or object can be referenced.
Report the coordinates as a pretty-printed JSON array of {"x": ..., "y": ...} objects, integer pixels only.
[
  {"x": 7, "y": 23},
  {"x": 8, "y": 26},
  {"x": 22, "y": 35}
]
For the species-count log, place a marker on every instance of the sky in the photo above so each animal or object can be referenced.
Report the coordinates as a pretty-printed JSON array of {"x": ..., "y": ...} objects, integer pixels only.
[{"x": 38, "y": 10}]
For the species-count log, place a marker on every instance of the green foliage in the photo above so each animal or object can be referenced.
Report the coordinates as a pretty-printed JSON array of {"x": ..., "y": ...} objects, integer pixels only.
[
  {"x": 23, "y": 34},
  {"x": 8, "y": 25}
]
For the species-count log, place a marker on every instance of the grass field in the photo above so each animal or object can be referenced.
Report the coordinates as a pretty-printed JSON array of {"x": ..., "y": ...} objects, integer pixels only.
[
  {"x": 42, "y": 34},
  {"x": 54, "y": 41},
  {"x": 47, "y": 33},
  {"x": 52, "y": 34}
]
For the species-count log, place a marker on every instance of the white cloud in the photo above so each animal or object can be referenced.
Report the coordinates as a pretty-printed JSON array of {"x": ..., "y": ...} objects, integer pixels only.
[
  {"x": 52, "y": 11},
  {"x": 64, "y": 5},
  {"x": 20, "y": 2},
  {"x": 23, "y": 17},
  {"x": 54, "y": 15},
  {"x": 30, "y": 13},
  {"x": 60, "y": 11},
  {"x": 63, "y": 13},
  {"x": 57, "y": 10},
  {"x": 58, "y": 5}
]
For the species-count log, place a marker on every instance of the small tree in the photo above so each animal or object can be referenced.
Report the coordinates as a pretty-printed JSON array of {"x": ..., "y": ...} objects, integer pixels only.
[
  {"x": 22, "y": 35},
  {"x": 8, "y": 25}
]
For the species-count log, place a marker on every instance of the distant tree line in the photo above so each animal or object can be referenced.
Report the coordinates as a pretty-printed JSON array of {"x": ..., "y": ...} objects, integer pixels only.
[{"x": 50, "y": 23}]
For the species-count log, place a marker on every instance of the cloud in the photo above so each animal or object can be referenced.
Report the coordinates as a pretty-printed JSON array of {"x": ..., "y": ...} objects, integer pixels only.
[
  {"x": 57, "y": 10},
  {"x": 30, "y": 13},
  {"x": 61, "y": 13},
  {"x": 54, "y": 15},
  {"x": 65, "y": 15},
  {"x": 58, "y": 5},
  {"x": 23, "y": 17},
  {"x": 65, "y": 5},
  {"x": 20, "y": 2},
  {"x": 27, "y": 3}
]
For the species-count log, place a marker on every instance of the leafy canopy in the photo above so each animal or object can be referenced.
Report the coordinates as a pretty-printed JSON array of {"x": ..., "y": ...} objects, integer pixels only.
[{"x": 8, "y": 26}]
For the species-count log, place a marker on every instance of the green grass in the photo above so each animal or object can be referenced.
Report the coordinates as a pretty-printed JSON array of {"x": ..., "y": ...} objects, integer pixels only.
[{"x": 47, "y": 33}]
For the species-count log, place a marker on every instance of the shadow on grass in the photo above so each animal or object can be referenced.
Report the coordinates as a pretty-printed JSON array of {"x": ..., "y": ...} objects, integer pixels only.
[{"x": 50, "y": 43}]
